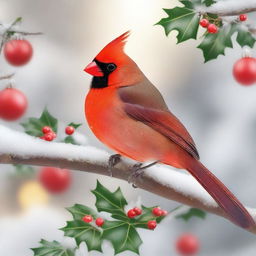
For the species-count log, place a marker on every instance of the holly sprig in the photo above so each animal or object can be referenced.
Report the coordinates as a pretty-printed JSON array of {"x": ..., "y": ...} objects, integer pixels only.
[
  {"x": 120, "y": 229},
  {"x": 186, "y": 19},
  {"x": 34, "y": 126}
]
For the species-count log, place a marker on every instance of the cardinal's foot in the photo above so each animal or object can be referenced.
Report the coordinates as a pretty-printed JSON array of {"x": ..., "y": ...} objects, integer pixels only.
[
  {"x": 137, "y": 170},
  {"x": 112, "y": 162}
]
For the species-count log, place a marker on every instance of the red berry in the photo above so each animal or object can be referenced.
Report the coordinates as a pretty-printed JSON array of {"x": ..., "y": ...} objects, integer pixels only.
[
  {"x": 152, "y": 224},
  {"x": 18, "y": 52},
  {"x": 164, "y": 212},
  {"x": 204, "y": 23},
  {"x": 187, "y": 244},
  {"x": 99, "y": 222},
  {"x": 54, "y": 179},
  {"x": 49, "y": 136},
  {"x": 242, "y": 17},
  {"x": 157, "y": 211},
  {"x": 244, "y": 71},
  {"x": 131, "y": 213},
  {"x": 13, "y": 104},
  {"x": 87, "y": 218},
  {"x": 70, "y": 130},
  {"x": 212, "y": 28},
  {"x": 54, "y": 135},
  {"x": 137, "y": 210},
  {"x": 46, "y": 129}
]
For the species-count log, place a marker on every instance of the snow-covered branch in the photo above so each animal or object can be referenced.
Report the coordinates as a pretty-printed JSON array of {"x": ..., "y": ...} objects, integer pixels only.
[
  {"x": 19, "y": 148},
  {"x": 231, "y": 7}
]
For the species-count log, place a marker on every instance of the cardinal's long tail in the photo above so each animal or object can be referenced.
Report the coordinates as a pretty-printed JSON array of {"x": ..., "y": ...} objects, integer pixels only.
[{"x": 225, "y": 199}]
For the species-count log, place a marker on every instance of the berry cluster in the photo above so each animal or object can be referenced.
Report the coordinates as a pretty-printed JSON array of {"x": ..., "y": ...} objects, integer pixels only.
[
  {"x": 88, "y": 219},
  {"x": 213, "y": 28},
  {"x": 157, "y": 211},
  {"x": 50, "y": 135}
]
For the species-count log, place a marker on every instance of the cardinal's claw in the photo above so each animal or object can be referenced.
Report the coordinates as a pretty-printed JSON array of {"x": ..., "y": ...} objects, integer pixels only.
[
  {"x": 137, "y": 170},
  {"x": 112, "y": 161}
]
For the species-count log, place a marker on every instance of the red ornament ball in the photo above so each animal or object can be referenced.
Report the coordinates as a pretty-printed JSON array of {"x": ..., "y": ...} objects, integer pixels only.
[
  {"x": 131, "y": 213},
  {"x": 13, "y": 104},
  {"x": 157, "y": 211},
  {"x": 244, "y": 71},
  {"x": 99, "y": 222},
  {"x": 151, "y": 224},
  {"x": 55, "y": 180},
  {"x": 204, "y": 23},
  {"x": 18, "y": 52},
  {"x": 187, "y": 244},
  {"x": 46, "y": 129},
  {"x": 69, "y": 130},
  {"x": 212, "y": 28},
  {"x": 137, "y": 210},
  {"x": 87, "y": 218},
  {"x": 242, "y": 17}
]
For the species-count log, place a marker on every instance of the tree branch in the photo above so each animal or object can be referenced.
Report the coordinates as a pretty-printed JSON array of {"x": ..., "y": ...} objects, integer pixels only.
[
  {"x": 19, "y": 148},
  {"x": 230, "y": 7}
]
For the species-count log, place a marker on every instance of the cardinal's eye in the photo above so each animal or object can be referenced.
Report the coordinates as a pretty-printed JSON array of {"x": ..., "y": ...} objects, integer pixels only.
[{"x": 111, "y": 67}]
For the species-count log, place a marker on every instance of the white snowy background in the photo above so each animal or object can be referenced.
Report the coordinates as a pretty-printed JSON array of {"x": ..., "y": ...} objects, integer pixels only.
[{"x": 220, "y": 115}]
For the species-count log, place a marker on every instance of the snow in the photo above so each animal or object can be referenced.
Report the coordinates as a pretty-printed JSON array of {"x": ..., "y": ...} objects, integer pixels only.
[
  {"x": 181, "y": 182},
  {"x": 230, "y": 6},
  {"x": 21, "y": 144}
]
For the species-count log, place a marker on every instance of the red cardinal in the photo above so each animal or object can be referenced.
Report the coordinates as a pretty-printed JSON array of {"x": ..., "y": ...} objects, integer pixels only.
[{"x": 127, "y": 113}]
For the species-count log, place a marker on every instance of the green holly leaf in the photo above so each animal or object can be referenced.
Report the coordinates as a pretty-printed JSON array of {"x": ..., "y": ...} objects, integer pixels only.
[
  {"x": 23, "y": 170},
  {"x": 70, "y": 139},
  {"x": 183, "y": 19},
  {"x": 52, "y": 249},
  {"x": 84, "y": 232},
  {"x": 209, "y": 2},
  {"x": 112, "y": 202},
  {"x": 33, "y": 126},
  {"x": 214, "y": 45},
  {"x": 192, "y": 212},
  {"x": 74, "y": 125},
  {"x": 244, "y": 37},
  {"x": 122, "y": 235},
  {"x": 78, "y": 211}
]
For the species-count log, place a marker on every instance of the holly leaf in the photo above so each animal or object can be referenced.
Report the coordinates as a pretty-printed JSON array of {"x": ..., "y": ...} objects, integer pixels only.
[
  {"x": 70, "y": 139},
  {"x": 23, "y": 170},
  {"x": 84, "y": 232},
  {"x": 185, "y": 20},
  {"x": 209, "y": 2},
  {"x": 122, "y": 235},
  {"x": 112, "y": 202},
  {"x": 192, "y": 212},
  {"x": 33, "y": 126},
  {"x": 244, "y": 37},
  {"x": 74, "y": 125},
  {"x": 78, "y": 211},
  {"x": 214, "y": 45},
  {"x": 52, "y": 249}
]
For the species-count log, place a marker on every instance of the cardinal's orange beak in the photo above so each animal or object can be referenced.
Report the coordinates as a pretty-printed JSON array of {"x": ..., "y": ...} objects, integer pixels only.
[{"x": 93, "y": 69}]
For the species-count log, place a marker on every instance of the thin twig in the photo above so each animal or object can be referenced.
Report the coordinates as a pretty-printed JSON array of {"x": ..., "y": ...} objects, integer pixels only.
[{"x": 7, "y": 76}]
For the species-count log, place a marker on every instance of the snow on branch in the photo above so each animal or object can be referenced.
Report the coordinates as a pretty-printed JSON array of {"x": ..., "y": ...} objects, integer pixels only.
[
  {"x": 20, "y": 148},
  {"x": 231, "y": 7}
]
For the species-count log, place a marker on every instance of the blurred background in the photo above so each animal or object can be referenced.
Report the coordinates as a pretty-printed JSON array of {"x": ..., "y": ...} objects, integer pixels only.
[{"x": 219, "y": 113}]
